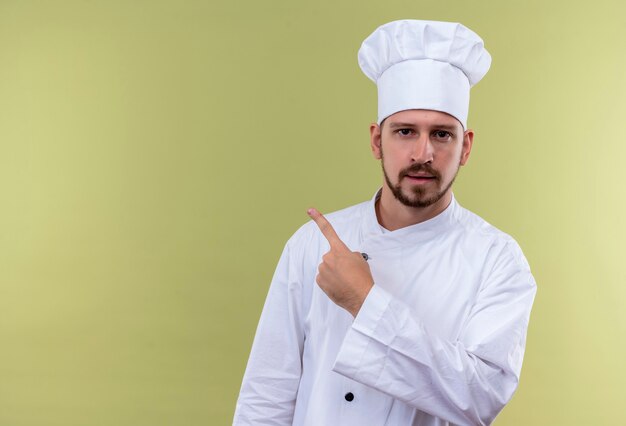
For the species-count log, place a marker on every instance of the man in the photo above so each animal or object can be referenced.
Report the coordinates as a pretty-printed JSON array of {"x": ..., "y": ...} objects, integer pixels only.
[{"x": 407, "y": 309}]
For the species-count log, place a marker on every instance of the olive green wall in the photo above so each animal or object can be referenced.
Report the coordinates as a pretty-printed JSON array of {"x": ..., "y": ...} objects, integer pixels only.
[{"x": 156, "y": 155}]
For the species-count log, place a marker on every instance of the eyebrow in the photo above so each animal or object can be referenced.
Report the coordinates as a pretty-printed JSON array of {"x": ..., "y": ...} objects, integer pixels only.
[{"x": 399, "y": 125}]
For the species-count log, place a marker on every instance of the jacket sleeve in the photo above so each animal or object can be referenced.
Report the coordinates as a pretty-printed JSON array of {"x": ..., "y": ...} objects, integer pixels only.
[
  {"x": 466, "y": 381},
  {"x": 270, "y": 383}
]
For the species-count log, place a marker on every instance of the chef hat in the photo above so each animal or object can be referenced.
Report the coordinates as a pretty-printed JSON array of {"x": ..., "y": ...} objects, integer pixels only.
[{"x": 424, "y": 65}]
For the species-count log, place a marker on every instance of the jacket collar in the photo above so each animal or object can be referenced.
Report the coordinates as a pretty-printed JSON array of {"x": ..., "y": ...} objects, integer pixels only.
[{"x": 419, "y": 232}]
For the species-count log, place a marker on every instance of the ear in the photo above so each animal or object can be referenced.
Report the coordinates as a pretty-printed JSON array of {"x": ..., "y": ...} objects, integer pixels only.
[
  {"x": 375, "y": 140},
  {"x": 468, "y": 141}
]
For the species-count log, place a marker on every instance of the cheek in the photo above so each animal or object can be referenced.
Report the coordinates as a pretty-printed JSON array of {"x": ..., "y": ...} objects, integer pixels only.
[
  {"x": 396, "y": 152},
  {"x": 391, "y": 161},
  {"x": 448, "y": 161}
]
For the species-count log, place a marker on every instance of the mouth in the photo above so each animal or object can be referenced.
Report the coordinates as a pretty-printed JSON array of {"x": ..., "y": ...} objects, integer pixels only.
[{"x": 421, "y": 178}]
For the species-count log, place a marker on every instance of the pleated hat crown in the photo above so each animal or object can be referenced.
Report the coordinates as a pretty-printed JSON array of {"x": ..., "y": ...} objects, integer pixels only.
[{"x": 424, "y": 65}]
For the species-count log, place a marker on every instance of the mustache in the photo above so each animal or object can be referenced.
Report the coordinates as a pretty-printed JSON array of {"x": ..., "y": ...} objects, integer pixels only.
[{"x": 416, "y": 168}]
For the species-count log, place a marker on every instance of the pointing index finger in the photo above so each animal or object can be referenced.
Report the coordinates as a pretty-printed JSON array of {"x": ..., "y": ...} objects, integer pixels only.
[{"x": 327, "y": 230}]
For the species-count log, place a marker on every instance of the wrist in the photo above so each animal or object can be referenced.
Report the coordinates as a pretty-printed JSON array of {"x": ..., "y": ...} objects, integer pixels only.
[{"x": 356, "y": 305}]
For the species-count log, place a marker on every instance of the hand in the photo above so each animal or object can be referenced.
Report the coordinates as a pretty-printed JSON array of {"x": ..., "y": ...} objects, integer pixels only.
[{"x": 343, "y": 275}]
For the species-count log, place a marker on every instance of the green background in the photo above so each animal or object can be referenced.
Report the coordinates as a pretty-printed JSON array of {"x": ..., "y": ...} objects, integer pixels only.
[{"x": 156, "y": 155}]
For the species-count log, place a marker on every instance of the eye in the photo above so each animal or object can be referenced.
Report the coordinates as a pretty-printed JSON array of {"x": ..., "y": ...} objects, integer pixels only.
[
  {"x": 405, "y": 132},
  {"x": 442, "y": 134}
]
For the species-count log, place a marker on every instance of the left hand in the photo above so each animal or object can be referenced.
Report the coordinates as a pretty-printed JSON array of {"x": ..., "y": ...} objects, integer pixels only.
[{"x": 343, "y": 275}]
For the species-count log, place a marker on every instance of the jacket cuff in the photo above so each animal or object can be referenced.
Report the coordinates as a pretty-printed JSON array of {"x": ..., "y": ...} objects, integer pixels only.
[{"x": 362, "y": 333}]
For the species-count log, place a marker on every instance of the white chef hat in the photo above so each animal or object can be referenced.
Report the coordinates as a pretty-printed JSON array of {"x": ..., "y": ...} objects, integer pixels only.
[{"x": 424, "y": 65}]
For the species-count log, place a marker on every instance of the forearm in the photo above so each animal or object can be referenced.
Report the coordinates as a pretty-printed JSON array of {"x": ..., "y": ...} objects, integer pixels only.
[
  {"x": 389, "y": 350},
  {"x": 272, "y": 377}
]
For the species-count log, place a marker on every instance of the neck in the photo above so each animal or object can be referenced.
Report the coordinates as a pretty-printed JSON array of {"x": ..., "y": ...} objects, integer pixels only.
[{"x": 392, "y": 214}]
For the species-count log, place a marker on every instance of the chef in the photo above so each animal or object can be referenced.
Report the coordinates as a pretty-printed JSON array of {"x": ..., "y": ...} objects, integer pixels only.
[{"x": 406, "y": 309}]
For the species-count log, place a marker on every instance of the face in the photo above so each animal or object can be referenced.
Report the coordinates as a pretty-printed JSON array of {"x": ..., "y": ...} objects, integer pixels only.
[{"x": 420, "y": 152}]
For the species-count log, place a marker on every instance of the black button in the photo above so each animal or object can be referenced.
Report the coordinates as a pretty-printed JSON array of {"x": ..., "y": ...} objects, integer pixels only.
[
  {"x": 349, "y": 396},
  {"x": 365, "y": 256}
]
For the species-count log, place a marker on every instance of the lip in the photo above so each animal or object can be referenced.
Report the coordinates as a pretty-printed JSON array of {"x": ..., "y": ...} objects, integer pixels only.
[{"x": 420, "y": 178}]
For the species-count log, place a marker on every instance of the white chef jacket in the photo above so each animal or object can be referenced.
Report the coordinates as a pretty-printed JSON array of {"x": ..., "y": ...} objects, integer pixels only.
[{"x": 439, "y": 339}]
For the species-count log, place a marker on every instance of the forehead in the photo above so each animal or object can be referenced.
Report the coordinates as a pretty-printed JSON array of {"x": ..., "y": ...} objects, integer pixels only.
[{"x": 422, "y": 117}]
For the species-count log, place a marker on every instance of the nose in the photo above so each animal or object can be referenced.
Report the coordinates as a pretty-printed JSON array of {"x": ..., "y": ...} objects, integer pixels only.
[{"x": 422, "y": 150}]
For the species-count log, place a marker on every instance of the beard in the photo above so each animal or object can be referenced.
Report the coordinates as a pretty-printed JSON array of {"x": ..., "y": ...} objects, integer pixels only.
[{"x": 419, "y": 196}]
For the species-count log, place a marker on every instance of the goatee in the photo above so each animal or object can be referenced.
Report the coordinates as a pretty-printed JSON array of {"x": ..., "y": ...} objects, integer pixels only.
[{"x": 420, "y": 197}]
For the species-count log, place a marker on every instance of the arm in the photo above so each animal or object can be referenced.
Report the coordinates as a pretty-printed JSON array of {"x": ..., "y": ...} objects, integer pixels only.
[
  {"x": 270, "y": 383},
  {"x": 467, "y": 381}
]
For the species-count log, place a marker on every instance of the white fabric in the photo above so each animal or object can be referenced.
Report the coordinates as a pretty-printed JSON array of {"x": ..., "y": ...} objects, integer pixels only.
[
  {"x": 438, "y": 341},
  {"x": 424, "y": 65}
]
